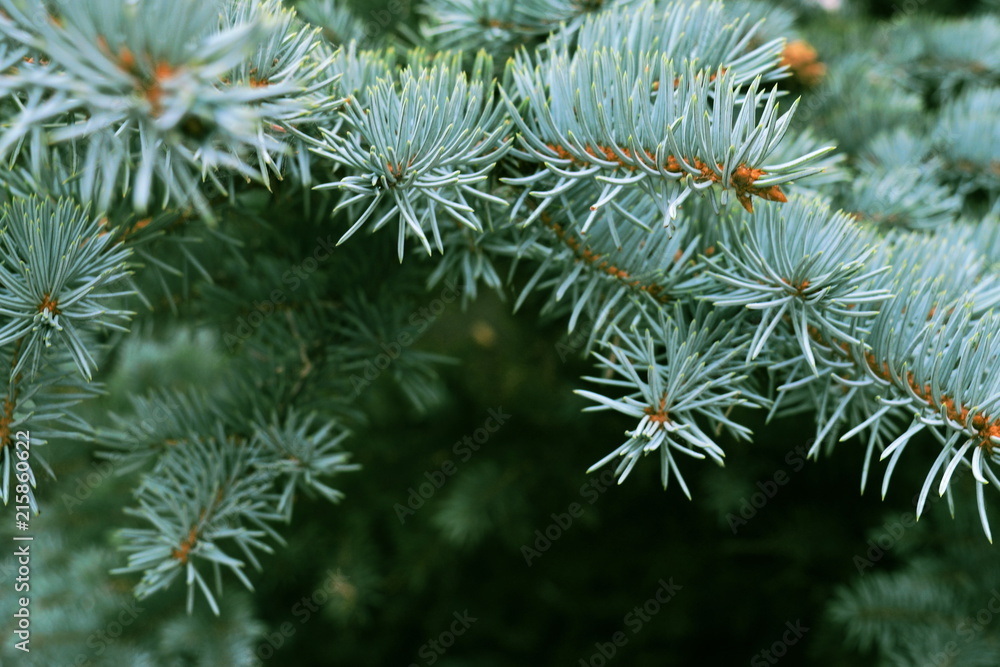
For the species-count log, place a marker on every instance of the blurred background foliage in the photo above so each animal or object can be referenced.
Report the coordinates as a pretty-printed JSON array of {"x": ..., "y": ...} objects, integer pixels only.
[{"x": 383, "y": 589}]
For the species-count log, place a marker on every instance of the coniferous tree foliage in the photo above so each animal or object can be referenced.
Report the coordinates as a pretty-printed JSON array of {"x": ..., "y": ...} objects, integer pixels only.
[{"x": 196, "y": 289}]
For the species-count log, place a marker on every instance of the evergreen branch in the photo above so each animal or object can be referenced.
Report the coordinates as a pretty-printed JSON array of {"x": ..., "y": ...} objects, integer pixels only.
[
  {"x": 633, "y": 132},
  {"x": 609, "y": 277},
  {"x": 420, "y": 145},
  {"x": 499, "y": 27},
  {"x": 804, "y": 264},
  {"x": 287, "y": 80},
  {"x": 42, "y": 402},
  {"x": 860, "y": 102},
  {"x": 53, "y": 264},
  {"x": 968, "y": 140},
  {"x": 710, "y": 35},
  {"x": 903, "y": 197},
  {"x": 692, "y": 370},
  {"x": 158, "y": 422},
  {"x": 949, "y": 56},
  {"x": 303, "y": 456},
  {"x": 202, "y": 498},
  {"x": 155, "y": 89}
]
